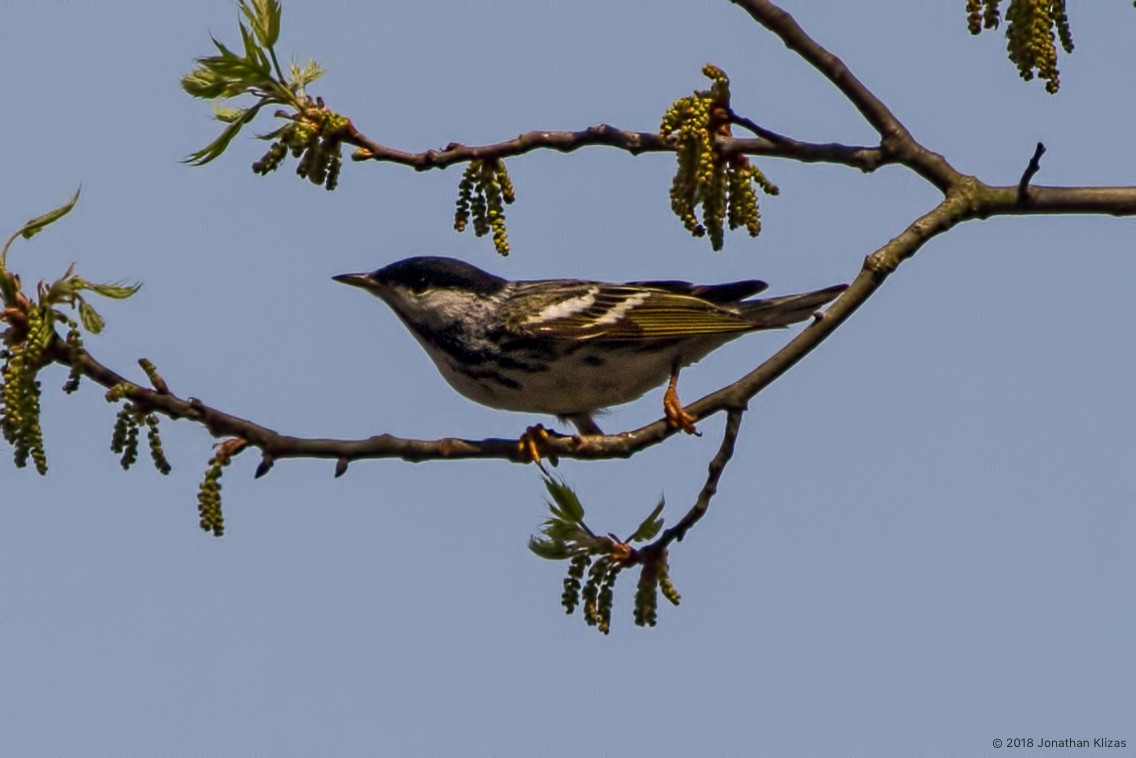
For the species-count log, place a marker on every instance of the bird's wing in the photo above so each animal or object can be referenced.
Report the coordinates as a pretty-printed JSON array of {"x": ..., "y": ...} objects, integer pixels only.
[
  {"x": 729, "y": 293},
  {"x": 592, "y": 310}
]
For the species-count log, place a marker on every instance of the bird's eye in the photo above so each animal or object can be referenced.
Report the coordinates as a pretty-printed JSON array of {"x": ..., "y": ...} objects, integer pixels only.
[{"x": 419, "y": 286}]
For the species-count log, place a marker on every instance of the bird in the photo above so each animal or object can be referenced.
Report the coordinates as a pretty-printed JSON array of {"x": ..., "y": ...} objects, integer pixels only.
[{"x": 568, "y": 347}]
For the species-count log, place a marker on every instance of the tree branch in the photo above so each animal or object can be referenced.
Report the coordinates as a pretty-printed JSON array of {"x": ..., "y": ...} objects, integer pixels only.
[
  {"x": 863, "y": 158},
  {"x": 1046, "y": 201},
  {"x": 896, "y": 142}
]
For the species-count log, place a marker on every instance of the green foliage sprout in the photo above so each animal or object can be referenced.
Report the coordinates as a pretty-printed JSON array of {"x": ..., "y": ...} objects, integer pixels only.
[
  {"x": 313, "y": 134},
  {"x": 30, "y": 333},
  {"x": 595, "y": 561},
  {"x": 723, "y": 184},
  {"x": 484, "y": 191},
  {"x": 1032, "y": 31}
]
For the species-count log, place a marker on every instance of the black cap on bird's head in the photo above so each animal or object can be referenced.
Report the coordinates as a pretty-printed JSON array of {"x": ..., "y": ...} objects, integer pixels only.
[{"x": 424, "y": 273}]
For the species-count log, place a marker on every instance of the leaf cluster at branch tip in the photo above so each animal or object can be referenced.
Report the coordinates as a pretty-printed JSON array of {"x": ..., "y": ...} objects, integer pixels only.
[
  {"x": 314, "y": 133},
  {"x": 484, "y": 191},
  {"x": 1032, "y": 31},
  {"x": 601, "y": 558},
  {"x": 29, "y": 334},
  {"x": 723, "y": 184}
]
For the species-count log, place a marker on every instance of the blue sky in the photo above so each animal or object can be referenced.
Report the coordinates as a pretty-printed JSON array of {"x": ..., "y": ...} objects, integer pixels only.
[{"x": 925, "y": 541}]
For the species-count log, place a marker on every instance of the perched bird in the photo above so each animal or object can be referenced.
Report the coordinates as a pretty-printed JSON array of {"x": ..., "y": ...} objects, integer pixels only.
[{"x": 569, "y": 347}]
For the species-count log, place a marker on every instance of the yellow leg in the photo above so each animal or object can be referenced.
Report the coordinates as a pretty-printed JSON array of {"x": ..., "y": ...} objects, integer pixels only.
[{"x": 672, "y": 407}]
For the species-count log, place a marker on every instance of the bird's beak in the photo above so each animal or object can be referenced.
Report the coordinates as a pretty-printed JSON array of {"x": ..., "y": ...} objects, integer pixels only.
[{"x": 355, "y": 280}]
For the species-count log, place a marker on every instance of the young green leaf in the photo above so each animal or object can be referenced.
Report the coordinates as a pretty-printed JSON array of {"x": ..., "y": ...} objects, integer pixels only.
[
  {"x": 91, "y": 319},
  {"x": 36, "y": 225},
  {"x": 549, "y": 550},
  {"x": 559, "y": 530},
  {"x": 113, "y": 290},
  {"x": 214, "y": 149},
  {"x": 564, "y": 497},
  {"x": 62, "y": 290},
  {"x": 227, "y": 115},
  {"x": 251, "y": 48},
  {"x": 650, "y": 526},
  {"x": 264, "y": 18},
  {"x": 238, "y": 73},
  {"x": 306, "y": 74},
  {"x": 206, "y": 84},
  {"x": 253, "y": 52},
  {"x": 31, "y": 228}
]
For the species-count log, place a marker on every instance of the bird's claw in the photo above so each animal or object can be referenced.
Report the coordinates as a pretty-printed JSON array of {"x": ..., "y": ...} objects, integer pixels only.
[
  {"x": 532, "y": 442},
  {"x": 676, "y": 415},
  {"x": 535, "y": 444}
]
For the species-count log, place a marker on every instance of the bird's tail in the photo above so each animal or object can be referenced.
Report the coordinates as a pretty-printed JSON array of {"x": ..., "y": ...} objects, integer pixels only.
[{"x": 772, "y": 312}]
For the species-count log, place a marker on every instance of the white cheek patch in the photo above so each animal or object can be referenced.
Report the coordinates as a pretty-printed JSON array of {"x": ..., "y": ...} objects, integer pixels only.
[
  {"x": 438, "y": 309},
  {"x": 565, "y": 308},
  {"x": 428, "y": 308},
  {"x": 615, "y": 314}
]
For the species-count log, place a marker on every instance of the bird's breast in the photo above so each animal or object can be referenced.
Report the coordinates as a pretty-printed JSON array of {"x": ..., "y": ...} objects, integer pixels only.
[{"x": 579, "y": 377}]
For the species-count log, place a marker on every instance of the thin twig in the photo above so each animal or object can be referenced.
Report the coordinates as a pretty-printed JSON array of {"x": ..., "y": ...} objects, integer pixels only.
[
  {"x": 1031, "y": 169},
  {"x": 710, "y": 488},
  {"x": 759, "y": 130}
]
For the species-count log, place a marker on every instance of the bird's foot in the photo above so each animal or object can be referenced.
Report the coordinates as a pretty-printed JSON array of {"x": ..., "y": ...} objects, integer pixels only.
[
  {"x": 676, "y": 415},
  {"x": 535, "y": 444}
]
